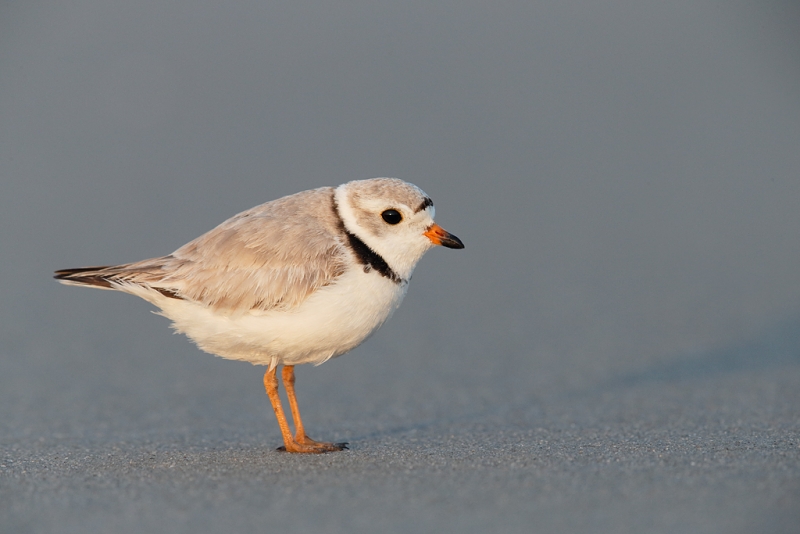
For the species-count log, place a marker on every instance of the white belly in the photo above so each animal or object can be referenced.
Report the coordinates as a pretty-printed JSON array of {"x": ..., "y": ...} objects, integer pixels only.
[{"x": 332, "y": 321}]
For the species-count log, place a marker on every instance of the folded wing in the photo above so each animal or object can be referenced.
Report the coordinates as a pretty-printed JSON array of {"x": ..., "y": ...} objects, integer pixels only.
[{"x": 272, "y": 256}]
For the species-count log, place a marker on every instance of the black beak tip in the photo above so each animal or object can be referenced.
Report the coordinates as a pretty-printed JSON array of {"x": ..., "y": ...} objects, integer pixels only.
[{"x": 452, "y": 241}]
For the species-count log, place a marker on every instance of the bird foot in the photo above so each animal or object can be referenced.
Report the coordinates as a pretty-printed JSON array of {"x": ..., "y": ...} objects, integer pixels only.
[{"x": 309, "y": 446}]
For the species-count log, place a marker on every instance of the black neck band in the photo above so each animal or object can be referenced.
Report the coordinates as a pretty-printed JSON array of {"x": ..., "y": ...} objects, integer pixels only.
[{"x": 371, "y": 259}]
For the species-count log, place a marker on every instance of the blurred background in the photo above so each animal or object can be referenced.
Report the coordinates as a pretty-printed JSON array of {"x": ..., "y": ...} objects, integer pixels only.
[{"x": 625, "y": 177}]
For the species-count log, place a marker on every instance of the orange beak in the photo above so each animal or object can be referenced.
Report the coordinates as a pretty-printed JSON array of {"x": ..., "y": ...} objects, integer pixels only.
[{"x": 440, "y": 236}]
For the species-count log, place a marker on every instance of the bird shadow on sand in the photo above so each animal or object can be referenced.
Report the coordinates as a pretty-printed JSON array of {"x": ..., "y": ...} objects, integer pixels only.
[{"x": 773, "y": 348}]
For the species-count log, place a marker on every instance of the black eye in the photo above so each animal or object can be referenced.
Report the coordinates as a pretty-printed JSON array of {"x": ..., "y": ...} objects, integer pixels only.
[{"x": 392, "y": 216}]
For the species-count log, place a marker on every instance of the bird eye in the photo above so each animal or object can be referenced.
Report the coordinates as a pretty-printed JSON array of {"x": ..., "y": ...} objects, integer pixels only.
[{"x": 392, "y": 216}]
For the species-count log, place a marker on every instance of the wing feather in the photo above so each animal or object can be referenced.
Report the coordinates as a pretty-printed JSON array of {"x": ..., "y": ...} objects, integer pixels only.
[{"x": 272, "y": 256}]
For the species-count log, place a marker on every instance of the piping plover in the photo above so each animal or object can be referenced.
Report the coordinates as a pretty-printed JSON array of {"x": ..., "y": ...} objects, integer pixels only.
[{"x": 301, "y": 279}]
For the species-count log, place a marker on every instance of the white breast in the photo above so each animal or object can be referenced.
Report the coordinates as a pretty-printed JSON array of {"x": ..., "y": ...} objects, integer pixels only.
[{"x": 332, "y": 321}]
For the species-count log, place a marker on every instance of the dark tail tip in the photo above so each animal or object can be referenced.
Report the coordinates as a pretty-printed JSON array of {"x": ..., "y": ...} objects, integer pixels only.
[{"x": 83, "y": 275}]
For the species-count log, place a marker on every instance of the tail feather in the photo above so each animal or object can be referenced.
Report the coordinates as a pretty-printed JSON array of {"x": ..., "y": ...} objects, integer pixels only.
[
  {"x": 89, "y": 276},
  {"x": 106, "y": 277}
]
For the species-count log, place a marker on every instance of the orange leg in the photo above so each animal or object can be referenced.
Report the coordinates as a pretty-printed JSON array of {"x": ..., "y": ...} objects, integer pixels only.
[
  {"x": 300, "y": 433},
  {"x": 303, "y": 443}
]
